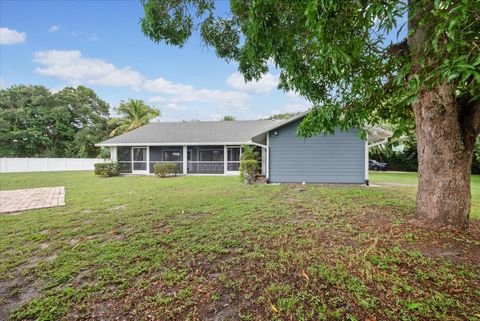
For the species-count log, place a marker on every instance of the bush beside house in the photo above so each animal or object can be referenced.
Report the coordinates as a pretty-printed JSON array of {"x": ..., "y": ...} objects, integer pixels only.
[
  {"x": 164, "y": 169},
  {"x": 249, "y": 166},
  {"x": 248, "y": 170},
  {"x": 107, "y": 169}
]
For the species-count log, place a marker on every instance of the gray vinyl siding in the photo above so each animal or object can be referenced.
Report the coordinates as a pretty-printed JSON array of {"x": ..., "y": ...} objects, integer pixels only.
[{"x": 338, "y": 158}]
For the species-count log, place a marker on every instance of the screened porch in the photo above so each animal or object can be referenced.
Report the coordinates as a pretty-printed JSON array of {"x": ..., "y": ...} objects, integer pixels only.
[{"x": 202, "y": 160}]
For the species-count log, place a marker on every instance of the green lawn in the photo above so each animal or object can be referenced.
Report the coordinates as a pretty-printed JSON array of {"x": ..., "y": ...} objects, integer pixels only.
[
  {"x": 412, "y": 178},
  {"x": 210, "y": 248}
]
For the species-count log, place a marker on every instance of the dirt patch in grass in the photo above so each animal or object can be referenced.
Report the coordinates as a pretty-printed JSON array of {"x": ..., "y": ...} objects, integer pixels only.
[
  {"x": 118, "y": 208},
  {"x": 457, "y": 247},
  {"x": 16, "y": 292},
  {"x": 21, "y": 287}
]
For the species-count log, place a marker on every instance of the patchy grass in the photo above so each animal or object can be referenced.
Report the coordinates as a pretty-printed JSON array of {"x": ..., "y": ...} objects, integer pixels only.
[
  {"x": 404, "y": 178},
  {"x": 210, "y": 248}
]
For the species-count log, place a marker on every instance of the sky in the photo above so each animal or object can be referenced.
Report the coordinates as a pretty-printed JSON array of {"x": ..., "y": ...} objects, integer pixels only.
[{"x": 99, "y": 44}]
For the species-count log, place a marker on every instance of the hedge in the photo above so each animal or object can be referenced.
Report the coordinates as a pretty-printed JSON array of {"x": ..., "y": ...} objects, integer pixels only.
[
  {"x": 107, "y": 169},
  {"x": 163, "y": 169}
]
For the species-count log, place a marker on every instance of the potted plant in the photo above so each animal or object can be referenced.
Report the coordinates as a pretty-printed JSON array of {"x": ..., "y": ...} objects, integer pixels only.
[
  {"x": 248, "y": 170},
  {"x": 249, "y": 166}
]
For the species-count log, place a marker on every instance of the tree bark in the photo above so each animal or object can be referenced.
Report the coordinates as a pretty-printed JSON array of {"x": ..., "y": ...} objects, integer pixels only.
[
  {"x": 444, "y": 160},
  {"x": 446, "y": 130}
]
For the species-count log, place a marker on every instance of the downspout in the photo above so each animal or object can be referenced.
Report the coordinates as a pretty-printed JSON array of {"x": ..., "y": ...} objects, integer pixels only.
[
  {"x": 366, "y": 162},
  {"x": 268, "y": 157}
]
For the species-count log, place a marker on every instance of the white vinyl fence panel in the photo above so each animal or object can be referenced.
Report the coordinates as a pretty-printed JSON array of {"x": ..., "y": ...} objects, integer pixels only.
[{"x": 12, "y": 165}]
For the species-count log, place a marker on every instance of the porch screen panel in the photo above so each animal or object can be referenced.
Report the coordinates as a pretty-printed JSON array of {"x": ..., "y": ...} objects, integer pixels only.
[
  {"x": 233, "y": 158},
  {"x": 124, "y": 157},
  {"x": 205, "y": 160},
  {"x": 166, "y": 154},
  {"x": 139, "y": 158}
]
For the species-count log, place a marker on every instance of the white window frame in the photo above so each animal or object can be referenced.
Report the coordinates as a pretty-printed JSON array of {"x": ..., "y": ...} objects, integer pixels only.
[{"x": 134, "y": 171}]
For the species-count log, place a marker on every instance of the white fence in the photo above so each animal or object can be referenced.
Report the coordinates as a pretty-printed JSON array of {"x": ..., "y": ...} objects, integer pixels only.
[{"x": 11, "y": 165}]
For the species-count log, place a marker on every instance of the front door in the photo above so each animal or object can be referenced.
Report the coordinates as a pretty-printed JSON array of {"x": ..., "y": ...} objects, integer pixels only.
[
  {"x": 139, "y": 156},
  {"x": 233, "y": 160}
]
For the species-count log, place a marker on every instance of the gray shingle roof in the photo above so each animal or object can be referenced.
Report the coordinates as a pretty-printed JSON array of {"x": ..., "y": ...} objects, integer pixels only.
[{"x": 194, "y": 132}]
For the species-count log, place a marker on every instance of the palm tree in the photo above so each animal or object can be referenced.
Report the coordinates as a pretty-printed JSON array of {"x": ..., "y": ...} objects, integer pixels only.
[
  {"x": 249, "y": 152},
  {"x": 133, "y": 114}
]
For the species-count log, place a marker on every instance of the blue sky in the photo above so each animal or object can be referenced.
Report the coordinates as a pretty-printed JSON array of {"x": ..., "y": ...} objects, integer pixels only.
[{"x": 99, "y": 44}]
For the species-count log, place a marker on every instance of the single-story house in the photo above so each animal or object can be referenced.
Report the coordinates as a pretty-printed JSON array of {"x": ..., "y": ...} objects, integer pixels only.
[{"x": 214, "y": 148}]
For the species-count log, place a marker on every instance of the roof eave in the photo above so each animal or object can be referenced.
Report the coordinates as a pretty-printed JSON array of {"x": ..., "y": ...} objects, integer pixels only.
[{"x": 172, "y": 144}]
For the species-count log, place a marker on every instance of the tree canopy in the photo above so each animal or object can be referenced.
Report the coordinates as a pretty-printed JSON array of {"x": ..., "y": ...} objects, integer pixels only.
[
  {"x": 283, "y": 115},
  {"x": 37, "y": 123},
  {"x": 228, "y": 118}
]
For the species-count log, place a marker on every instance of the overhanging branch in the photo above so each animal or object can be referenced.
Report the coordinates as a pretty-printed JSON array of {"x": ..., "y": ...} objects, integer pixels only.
[{"x": 399, "y": 49}]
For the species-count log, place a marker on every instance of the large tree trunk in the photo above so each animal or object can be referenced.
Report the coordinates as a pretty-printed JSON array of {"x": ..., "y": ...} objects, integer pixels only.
[
  {"x": 444, "y": 160},
  {"x": 446, "y": 130}
]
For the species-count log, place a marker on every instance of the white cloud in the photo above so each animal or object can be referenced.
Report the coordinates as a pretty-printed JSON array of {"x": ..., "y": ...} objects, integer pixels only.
[
  {"x": 186, "y": 93},
  {"x": 54, "y": 28},
  {"x": 11, "y": 37},
  {"x": 70, "y": 66},
  {"x": 81, "y": 34},
  {"x": 176, "y": 107},
  {"x": 267, "y": 83},
  {"x": 157, "y": 99},
  {"x": 233, "y": 109},
  {"x": 161, "y": 85},
  {"x": 295, "y": 108}
]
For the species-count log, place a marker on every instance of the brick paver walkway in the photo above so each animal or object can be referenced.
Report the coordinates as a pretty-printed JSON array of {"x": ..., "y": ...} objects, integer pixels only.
[{"x": 32, "y": 198}]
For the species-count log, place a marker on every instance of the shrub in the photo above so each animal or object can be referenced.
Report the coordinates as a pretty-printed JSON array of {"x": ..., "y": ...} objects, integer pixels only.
[
  {"x": 249, "y": 152},
  {"x": 107, "y": 169},
  {"x": 249, "y": 169},
  {"x": 163, "y": 169}
]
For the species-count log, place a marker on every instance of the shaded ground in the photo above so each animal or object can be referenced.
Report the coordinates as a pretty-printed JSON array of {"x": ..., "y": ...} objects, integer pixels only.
[{"x": 210, "y": 248}]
